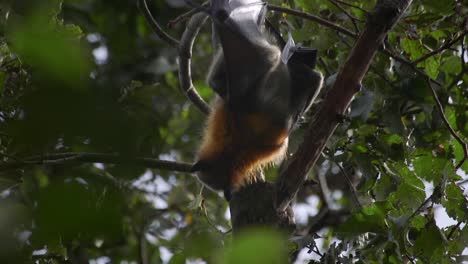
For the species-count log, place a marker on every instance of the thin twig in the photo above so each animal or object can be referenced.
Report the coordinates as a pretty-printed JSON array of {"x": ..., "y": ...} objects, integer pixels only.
[
  {"x": 86, "y": 157},
  {"x": 353, "y": 6},
  {"x": 391, "y": 53},
  {"x": 410, "y": 259},
  {"x": 423, "y": 204},
  {"x": 155, "y": 26},
  {"x": 434, "y": 193},
  {"x": 462, "y": 182},
  {"x": 382, "y": 76},
  {"x": 186, "y": 15},
  {"x": 351, "y": 17},
  {"x": 386, "y": 50},
  {"x": 142, "y": 247},
  {"x": 204, "y": 211},
  {"x": 350, "y": 184},
  {"x": 313, "y": 18},
  {"x": 185, "y": 55},
  {"x": 326, "y": 194},
  {"x": 445, "y": 46},
  {"x": 440, "y": 109},
  {"x": 325, "y": 66},
  {"x": 452, "y": 231},
  {"x": 463, "y": 70},
  {"x": 456, "y": 79}
]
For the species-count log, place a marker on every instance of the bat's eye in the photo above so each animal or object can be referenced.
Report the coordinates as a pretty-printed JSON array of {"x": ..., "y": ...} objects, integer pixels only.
[{"x": 221, "y": 15}]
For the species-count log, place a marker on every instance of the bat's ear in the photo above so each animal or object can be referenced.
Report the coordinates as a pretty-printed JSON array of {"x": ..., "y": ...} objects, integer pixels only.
[
  {"x": 295, "y": 54},
  {"x": 306, "y": 56}
]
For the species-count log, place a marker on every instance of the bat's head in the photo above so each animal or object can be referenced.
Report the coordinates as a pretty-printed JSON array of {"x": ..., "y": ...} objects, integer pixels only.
[{"x": 213, "y": 173}]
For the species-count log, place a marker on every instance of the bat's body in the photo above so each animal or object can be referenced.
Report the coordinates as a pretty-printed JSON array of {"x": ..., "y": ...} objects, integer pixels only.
[{"x": 262, "y": 91}]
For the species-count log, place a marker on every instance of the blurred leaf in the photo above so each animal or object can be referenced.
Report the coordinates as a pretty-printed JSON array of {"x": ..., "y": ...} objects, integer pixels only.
[
  {"x": 392, "y": 139},
  {"x": 455, "y": 202},
  {"x": 412, "y": 47},
  {"x": 33, "y": 39},
  {"x": 369, "y": 219},
  {"x": 250, "y": 246},
  {"x": 431, "y": 66},
  {"x": 71, "y": 210},
  {"x": 363, "y": 104},
  {"x": 439, "y": 6},
  {"x": 430, "y": 244}
]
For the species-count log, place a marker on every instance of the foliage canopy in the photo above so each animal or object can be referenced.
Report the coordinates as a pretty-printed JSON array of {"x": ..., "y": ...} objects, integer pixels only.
[{"x": 84, "y": 76}]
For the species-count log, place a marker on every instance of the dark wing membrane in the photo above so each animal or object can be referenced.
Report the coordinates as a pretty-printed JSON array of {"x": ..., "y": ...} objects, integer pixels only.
[
  {"x": 305, "y": 82},
  {"x": 306, "y": 56},
  {"x": 238, "y": 24}
]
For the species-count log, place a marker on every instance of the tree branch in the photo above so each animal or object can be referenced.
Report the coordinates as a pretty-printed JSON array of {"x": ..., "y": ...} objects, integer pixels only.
[
  {"x": 312, "y": 18},
  {"x": 85, "y": 157},
  {"x": 185, "y": 55},
  {"x": 385, "y": 50},
  {"x": 185, "y": 51},
  {"x": 186, "y": 15},
  {"x": 351, "y": 17},
  {"x": 446, "y": 45},
  {"x": 351, "y": 5},
  {"x": 155, "y": 26},
  {"x": 452, "y": 231},
  {"x": 351, "y": 187},
  {"x": 440, "y": 109},
  {"x": 348, "y": 82}
]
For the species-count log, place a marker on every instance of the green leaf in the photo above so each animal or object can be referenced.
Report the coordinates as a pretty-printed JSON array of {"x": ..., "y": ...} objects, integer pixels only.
[
  {"x": 360, "y": 148},
  {"x": 451, "y": 116},
  {"x": 392, "y": 139},
  {"x": 430, "y": 245},
  {"x": 408, "y": 196},
  {"x": 384, "y": 187},
  {"x": 451, "y": 64},
  {"x": 418, "y": 222},
  {"x": 455, "y": 202},
  {"x": 256, "y": 246},
  {"x": 412, "y": 47},
  {"x": 438, "y": 34},
  {"x": 459, "y": 153},
  {"x": 429, "y": 167},
  {"x": 369, "y": 219},
  {"x": 410, "y": 192},
  {"x": 431, "y": 66},
  {"x": 71, "y": 210},
  {"x": 440, "y": 7}
]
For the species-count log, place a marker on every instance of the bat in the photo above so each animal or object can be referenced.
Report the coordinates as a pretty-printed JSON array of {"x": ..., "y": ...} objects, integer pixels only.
[{"x": 263, "y": 87}]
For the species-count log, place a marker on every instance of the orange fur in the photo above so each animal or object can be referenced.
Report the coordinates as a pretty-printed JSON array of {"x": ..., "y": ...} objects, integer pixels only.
[{"x": 236, "y": 146}]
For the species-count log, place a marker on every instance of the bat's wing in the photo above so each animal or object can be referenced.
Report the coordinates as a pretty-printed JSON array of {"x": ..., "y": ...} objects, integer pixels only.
[
  {"x": 247, "y": 54},
  {"x": 306, "y": 56},
  {"x": 294, "y": 54},
  {"x": 306, "y": 83}
]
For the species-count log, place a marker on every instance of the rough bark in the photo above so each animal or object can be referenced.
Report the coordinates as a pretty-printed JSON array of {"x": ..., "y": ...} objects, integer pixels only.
[{"x": 253, "y": 205}]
